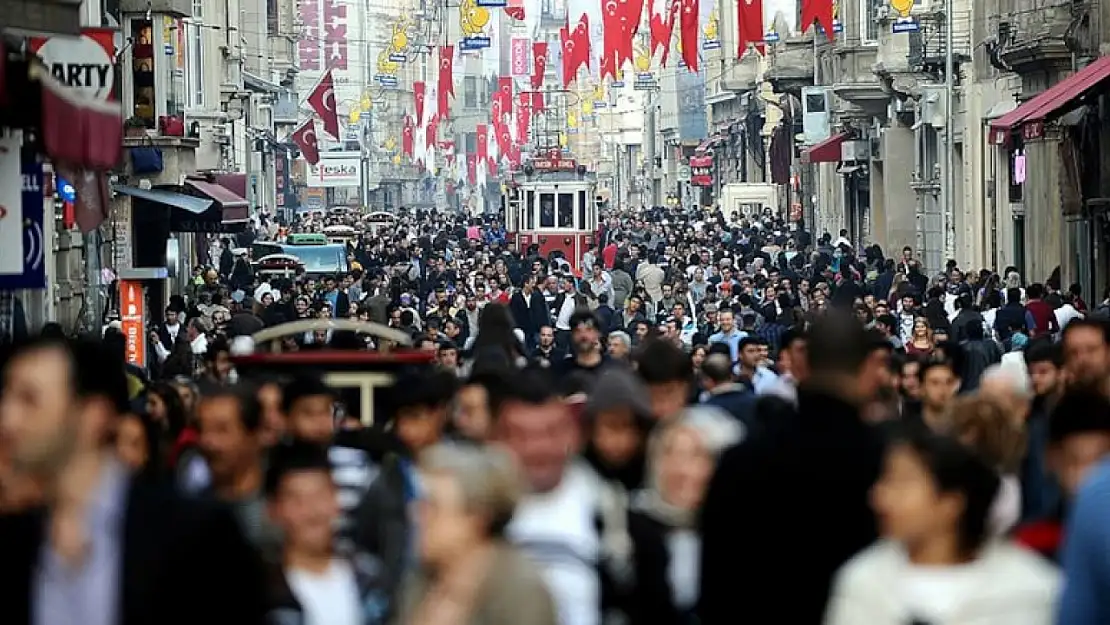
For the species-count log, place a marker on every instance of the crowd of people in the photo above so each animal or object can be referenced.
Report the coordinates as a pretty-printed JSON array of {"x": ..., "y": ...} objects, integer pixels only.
[{"x": 705, "y": 419}]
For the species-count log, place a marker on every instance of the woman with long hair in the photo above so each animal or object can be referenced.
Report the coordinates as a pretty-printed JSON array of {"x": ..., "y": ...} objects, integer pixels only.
[{"x": 921, "y": 340}]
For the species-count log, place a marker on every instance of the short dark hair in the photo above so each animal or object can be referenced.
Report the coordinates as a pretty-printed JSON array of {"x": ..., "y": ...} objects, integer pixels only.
[
  {"x": 301, "y": 387},
  {"x": 1099, "y": 324},
  {"x": 838, "y": 343},
  {"x": 94, "y": 368},
  {"x": 1043, "y": 350},
  {"x": 296, "y": 456},
  {"x": 533, "y": 386},
  {"x": 1079, "y": 411},
  {"x": 933, "y": 363},
  {"x": 717, "y": 368},
  {"x": 245, "y": 397},
  {"x": 660, "y": 362}
]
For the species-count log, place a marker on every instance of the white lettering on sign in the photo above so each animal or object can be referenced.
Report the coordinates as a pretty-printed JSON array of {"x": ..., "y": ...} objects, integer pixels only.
[{"x": 81, "y": 64}]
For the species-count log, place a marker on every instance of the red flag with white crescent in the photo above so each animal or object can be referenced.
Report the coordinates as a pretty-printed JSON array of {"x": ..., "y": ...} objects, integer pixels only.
[
  {"x": 539, "y": 63},
  {"x": 611, "y": 13},
  {"x": 515, "y": 10},
  {"x": 581, "y": 37},
  {"x": 446, "y": 85},
  {"x": 471, "y": 169},
  {"x": 820, "y": 11},
  {"x": 304, "y": 137},
  {"x": 688, "y": 31},
  {"x": 749, "y": 26},
  {"x": 322, "y": 100},
  {"x": 418, "y": 92},
  {"x": 406, "y": 136},
  {"x": 523, "y": 117},
  {"x": 430, "y": 133},
  {"x": 538, "y": 105},
  {"x": 482, "y": 131}
]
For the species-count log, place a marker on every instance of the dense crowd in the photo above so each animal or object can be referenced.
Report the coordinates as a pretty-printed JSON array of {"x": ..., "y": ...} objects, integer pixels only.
[{"x": 706, "y": 418}]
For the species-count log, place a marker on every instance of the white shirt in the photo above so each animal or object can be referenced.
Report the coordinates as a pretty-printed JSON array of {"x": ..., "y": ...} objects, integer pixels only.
[
  {"x": 1065, "y": 314},
  {"x": 557, "y": 531},
  {"x": 331, "y": 598},
  {"x": 562, "y": 321}
]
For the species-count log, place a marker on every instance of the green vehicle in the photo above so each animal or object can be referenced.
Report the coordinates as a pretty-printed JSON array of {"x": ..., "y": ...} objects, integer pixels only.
[{"x": 306, "y": 238}]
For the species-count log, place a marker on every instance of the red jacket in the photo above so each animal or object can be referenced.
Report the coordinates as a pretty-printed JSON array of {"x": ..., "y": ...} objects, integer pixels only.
[{"x": 1044, "y": 319}]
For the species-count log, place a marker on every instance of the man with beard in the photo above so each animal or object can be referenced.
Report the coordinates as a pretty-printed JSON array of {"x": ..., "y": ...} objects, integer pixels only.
[{"x": 586, "y": 354}]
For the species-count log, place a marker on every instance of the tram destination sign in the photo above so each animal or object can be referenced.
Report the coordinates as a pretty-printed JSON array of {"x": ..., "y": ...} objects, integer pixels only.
[{"x": 554, "y": 164}]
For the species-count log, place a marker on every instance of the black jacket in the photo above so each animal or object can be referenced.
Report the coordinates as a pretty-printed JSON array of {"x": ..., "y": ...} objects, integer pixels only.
[
  {"x": 785, "y": 509},
  {"x": 183, "y": 562}
]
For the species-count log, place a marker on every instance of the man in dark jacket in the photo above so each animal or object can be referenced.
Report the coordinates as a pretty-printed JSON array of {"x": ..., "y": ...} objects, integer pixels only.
[
  {"x": 133, "y": 553},
  {"x": 723, "y": 391},
  {"x": 529, "y": 310},
  {"x": 1011, "y": 316},
  {"x": 788, "y": 506}
]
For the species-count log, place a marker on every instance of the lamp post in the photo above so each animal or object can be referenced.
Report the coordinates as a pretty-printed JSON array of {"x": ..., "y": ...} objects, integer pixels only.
[{"x": 949, "y": 179}]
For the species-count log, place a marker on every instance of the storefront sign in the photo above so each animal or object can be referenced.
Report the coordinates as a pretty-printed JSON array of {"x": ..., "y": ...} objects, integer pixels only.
[
  {"x": 336, "y": 169},
  {"x": 555, "y": 164},
  {"x": 82, "y": 63},
  {"x": 132, "y": 312}
]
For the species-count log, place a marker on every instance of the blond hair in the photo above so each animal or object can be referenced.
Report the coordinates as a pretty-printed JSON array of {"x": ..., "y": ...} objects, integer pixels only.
[{"x": 988, "y": 430}]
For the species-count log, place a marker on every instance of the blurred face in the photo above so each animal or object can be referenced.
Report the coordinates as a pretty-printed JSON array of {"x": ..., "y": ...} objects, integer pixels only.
[
  {"x": 227, "y": 445},
  {"x": 906, "y": 501},
  {"x": 306, "y": 509},
  {"x": 751, "y": 356},
  {"x": 35, "y": 418},
  {"x": 1086, "y": 355},
  {"x": 541, "y": 437},
  {"x": 131, "y": 447},
  {"x": 616, "y": 437},
  {"x": 668, "y": 398},
  {"x": 312, "y": 418},
  {"x": 617, "y": 348},
  {"x": 920, "y": 329},
  {"x": 446, "y": 527},
  {"x": 1072, "y": 458},
  {"x": 221, "y": 366},
  {"x": 419, "y": 427},
  {"x": 938, "y": 387},
  {"x": 472, "y": 416},
  {"x": 156, "y": 408},
  {"x": 683, "y": 468},
  {"x": 273, "y": 421},
  {"x": 1045, "y": 377},
  {"x": 547, "y": 336},
  {"x": 585, "y": 338},
  {"x": 911, "y": 385}
]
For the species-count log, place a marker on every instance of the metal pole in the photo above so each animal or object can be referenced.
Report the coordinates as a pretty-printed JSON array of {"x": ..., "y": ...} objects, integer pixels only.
[{"x": 949, "y": 134}]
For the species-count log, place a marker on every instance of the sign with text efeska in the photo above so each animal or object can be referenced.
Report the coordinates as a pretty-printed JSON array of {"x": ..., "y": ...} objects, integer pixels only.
[
  {"x": 22, "y": 238},
  {"x": 336, "y": 169},
  {"x": 132, "y": 317}
]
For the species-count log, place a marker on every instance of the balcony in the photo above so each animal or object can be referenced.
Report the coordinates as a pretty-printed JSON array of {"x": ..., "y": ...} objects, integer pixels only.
[
  {"x": 1038, "y": 41},
  {"x": 791, "y": 65},
  {"x": 178, "y": 8},
  {"x": 178, "y": 159},
  {"x": 927, "y": 52}
]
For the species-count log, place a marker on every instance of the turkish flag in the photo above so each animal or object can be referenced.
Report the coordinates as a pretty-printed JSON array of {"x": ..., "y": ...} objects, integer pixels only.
[
  {"x": 523, "y": 117},
  {"x": 431, "y": 131},
  {"x": 418, "y": 91},
  {"x": 749, "y": 25},
  {"x": 491, "y": 166},
  {"x": 688, "y": 31},
  {"x": 581, "y": 38},
  {"x": 611, "y": 13},
  {"x": 538, "y": 105},
  {"x": 820, "y": 11},
  {"x": 305, "y": 139},
  {"x": 567, "y": 55},
  {"x": 471, "y": 169},
  {"x": 629, "y": 26},
  {"x": 482, "y": 131},
  {"x": 539, "y": 62},
  {"x": 505, "y": 92},
  {"x": 515, "y": 10},
  {"x": 661, "y": 24},
  {"x": 406, "y": 137},
  {"x": 504, "y": 139},
  {"x": 446, "y": 84},
  {"x": 322, "y": 100}
]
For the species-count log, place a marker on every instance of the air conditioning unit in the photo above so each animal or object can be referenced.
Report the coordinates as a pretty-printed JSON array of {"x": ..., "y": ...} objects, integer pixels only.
[{"x": 816, "y": 114}]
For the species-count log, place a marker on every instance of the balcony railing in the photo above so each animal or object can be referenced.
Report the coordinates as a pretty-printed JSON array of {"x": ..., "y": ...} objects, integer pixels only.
[{"x": 927, "y": 51}]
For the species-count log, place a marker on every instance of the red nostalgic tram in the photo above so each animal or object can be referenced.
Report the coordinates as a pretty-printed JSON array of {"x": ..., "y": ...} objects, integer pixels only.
[{"x": 552, "y": 206}]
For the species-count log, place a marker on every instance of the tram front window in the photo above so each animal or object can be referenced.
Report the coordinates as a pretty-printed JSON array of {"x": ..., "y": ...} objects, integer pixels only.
[
  {"x": 547, "y": 210},
  {"x": 566, "y": 210}
]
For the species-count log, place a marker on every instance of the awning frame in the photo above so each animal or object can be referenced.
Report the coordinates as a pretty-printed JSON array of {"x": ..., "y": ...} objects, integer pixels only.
[
  {"x": 1031, "y": 115},
  {"x": 826, "y": 151},
  {"x": 188, "y": 203}
]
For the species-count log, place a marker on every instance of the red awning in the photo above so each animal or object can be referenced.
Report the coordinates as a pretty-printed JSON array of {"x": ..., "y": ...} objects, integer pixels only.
[
  {"x": 827, "y": 151},
  {"x": 1051, "y": 101},
  {"x": 709, "y": 143},
  {"x": 79, "y": 131},
  {"x": 234, "y": 207}
]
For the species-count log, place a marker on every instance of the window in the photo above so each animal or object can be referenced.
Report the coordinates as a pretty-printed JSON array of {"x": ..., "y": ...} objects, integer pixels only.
[
  {"x": 583, "y": 224},
  {"x": 547, "y": 8},
  {"x": 530, "y": 209},
  {"x": 142, "y": 70},
  {"x": 471, "y": 143},
  {"x": 547, "y": 210},
  {"x": 566, "y": 210},
  {"x": 815, "y": 102},
  {"x": 470, "y": 92},
  {"x": 198, "y": 10},
  {"x": 174, "y": 80},
  {"x": 869, "y": 20},
  {"x": 194, "y": 64}
]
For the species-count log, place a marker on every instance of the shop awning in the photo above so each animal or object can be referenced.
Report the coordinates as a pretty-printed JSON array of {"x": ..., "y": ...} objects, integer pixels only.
[
  {"x": 709, "y": 143},
  {"x": 82, "y": 132},
  {"x": 192, "y": 204},
  {"x": 232, "y": 205},
  {"x": 1054, "y": 100},
  {"x": 827, "y": 151}
]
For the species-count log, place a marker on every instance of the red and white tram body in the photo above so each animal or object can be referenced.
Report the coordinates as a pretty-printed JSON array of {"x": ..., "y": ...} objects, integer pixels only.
[{"x": 556, "y": 211}]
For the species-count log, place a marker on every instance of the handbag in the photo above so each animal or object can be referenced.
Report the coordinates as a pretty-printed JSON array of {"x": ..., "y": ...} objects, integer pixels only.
[
  {"x": 171, "y": 126},
  {"x": 146, "y": 159}
]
